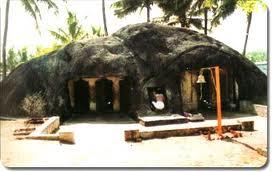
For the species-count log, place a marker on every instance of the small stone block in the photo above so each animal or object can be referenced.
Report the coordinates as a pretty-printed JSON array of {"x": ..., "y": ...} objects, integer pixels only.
[
  {"x": 248, "y": 125},
  {"x": 132, "y": 135}
]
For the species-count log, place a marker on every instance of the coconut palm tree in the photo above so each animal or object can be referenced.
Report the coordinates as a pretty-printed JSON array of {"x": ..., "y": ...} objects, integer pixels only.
[
  {"x": 203, "y": 7},
  {"x": 73, "y": 32},
  {"x": 31, "y": 6},
  {"x": 249, "y": 6},
  {"x": 126, "y": 7},
  {"x": 181, "y": 12},
  {"x": 4, "y": 63},
  {"x": 227, "y": 7},
  {"x": 104, "y": 18}
]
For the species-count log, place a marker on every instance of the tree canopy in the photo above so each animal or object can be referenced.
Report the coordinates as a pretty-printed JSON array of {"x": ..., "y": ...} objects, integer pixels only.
[{"x": 126, "y": 7}]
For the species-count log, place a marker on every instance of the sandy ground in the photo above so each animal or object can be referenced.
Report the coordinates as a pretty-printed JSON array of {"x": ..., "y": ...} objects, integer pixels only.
[{"x": 101, "y": 144}]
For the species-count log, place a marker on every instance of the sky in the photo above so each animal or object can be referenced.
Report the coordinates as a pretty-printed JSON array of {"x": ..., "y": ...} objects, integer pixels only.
[{"x": 23, "y": 33}]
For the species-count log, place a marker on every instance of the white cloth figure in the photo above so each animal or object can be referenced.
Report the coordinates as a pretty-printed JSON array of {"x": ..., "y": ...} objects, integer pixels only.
[{"x": 158, "y": 105}]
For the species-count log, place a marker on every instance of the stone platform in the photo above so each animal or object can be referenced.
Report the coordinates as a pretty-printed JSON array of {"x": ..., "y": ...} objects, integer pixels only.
[{"x": 187, "y": 129}]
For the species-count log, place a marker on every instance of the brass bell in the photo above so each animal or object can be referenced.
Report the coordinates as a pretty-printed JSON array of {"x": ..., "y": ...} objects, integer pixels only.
[{"x": 201, "y": 79}]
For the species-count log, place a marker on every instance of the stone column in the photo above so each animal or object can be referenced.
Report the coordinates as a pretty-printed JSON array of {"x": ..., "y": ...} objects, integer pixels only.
[
  {"x": 71, "y": 89},
  {"x": 116, "y": 93},
  {"x": 92, "y": 94}
]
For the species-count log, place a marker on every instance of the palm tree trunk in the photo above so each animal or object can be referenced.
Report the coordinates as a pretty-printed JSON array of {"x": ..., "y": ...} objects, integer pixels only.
[
  {"x": 5, "y": 40},
  {"x": 249, "y": 17},
  {"x": 148, "y": 13},
  {"x": 205, "y": 21},
  {"x": 147, "y": 5},
  {"x": 104, "y": 18},
  {"x": 182, "y": 20}
]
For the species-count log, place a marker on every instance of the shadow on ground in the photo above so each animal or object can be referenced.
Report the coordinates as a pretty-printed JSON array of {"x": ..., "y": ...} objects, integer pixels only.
[
  {"x": 106, "y": 118},
  {"x": 211, "y": 115}
]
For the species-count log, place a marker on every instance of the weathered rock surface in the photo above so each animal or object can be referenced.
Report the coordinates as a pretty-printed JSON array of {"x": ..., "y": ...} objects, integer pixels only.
[{"x": 147, "y": 53}]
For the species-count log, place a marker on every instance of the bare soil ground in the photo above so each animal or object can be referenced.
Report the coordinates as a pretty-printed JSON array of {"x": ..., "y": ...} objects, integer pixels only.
[{"x": 100, "y": 143}]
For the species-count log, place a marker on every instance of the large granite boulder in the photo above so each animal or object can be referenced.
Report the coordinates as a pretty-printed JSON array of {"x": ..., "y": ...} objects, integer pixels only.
[{"x": 149, "y": 54}]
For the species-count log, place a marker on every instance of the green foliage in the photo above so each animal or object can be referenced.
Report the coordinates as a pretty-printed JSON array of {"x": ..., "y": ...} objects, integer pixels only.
[
  {"x": 257, "y": 56},
  {"x": 96, "y": 31},
  {"x": 183, "y": 12},
  {"x": 126, "y": 7},
  {"x": 73, "y": 32},
  {"x": 224, "y": 9},
  {"x": 40, "y": 50},
  {"x": 250, "y": 6},
  {"x": 15, "y": 58},
  {"x": 227, "y": 7}
]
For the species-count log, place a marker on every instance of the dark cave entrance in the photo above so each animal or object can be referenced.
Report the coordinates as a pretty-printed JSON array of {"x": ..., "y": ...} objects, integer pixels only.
[
  {"x": 81, "y": 96},
  {"x": 207, "y": 90},
  {"x": 104, "y": 95},
  {"x": 208, "y": 99},
  {"x": 125, "y": 94}
]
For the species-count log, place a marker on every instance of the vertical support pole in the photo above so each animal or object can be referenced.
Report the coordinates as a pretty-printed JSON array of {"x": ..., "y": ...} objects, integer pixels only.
[
  {"x": 92, "y": 101},
  {"x": 71, "y": 89},
  {"x": 116, "y": 94},
  {"x": 218, "y": 101}
]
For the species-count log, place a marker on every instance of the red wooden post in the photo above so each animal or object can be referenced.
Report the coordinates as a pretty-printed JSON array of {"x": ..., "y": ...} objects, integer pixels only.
[{"x": 218, "y": 101}]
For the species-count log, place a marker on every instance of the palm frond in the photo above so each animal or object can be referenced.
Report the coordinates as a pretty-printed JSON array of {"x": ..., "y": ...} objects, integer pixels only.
[
  {"x": 196, "y": 22},
  {"x": 35, "y": 7},
  {"x": 29, "y": 8},
  {"x": 126, "y": 7},
  {"x": 50, "y": 4},
  {"x": 60, "y": 37},
  {"x": 63, "y": 33},
  {"x": 225, "y": 9},
  {"x": 79, "y": 33}
]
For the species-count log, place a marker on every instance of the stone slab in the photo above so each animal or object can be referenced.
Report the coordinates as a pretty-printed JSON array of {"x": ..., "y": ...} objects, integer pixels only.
[{"x": 162, "y": 120}]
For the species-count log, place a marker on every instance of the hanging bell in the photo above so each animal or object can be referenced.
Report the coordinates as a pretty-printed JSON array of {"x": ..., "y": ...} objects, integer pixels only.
[{"x": 201, "y": 79}]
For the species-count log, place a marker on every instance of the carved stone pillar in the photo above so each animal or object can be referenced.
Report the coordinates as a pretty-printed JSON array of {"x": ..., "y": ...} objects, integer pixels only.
[
  {"x": 92, "y": 95},
  {"x": 116, "y": 93},
  {"x": 71, "y": 89}
]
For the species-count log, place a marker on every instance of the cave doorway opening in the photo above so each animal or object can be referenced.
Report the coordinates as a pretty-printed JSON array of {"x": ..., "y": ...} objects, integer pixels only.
[
  {"x": 81, "y": 96},
  {"x": 125, "y": 94},
  {"x": 104, "y": 95}
]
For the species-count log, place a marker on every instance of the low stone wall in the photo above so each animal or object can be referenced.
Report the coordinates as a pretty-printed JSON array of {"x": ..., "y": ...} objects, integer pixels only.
[
  {"x": 44, "y": 132},
  {"x": 51, "y": 125},
  {"x": 258, "y": 109}
]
